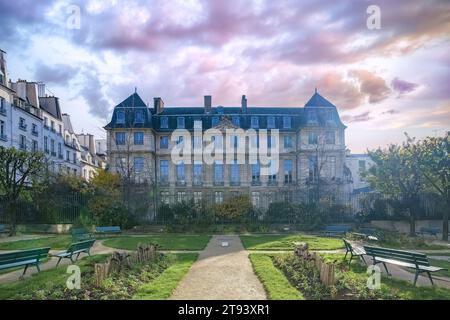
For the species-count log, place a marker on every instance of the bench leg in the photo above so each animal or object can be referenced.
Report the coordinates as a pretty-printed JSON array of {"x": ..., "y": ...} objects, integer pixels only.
[
  {"x": 59, "y": 260},
  {"x": 385, "y": 267},
  {"x": 346, "y": 252},
  {"x": 37, "y": 267},
  {"x": 351, "y": 257},
  {"x": 71, "y": 259},
  {"x": 78, "y": 255},
  {"x": 364, "y": 260},
  {"x": 431, "y": 279},
  {"x": 24, "y": 271},
  {"x": 416, "y": 277}
]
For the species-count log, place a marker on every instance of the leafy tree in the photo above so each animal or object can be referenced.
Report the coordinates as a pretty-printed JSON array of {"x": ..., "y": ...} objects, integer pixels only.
[
  {"x": 397, "y": 174},
  {"x": 434, "y": 160},
  {"x": 19, "y": 170},
  {"x": 234, "y": 208}
]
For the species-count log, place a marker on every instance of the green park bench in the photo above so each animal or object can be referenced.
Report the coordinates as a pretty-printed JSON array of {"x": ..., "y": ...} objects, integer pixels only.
[
  {"x": 409, "y": 259},
  {"x": 79, "y": 234},
  {"x": 429, "y": 231},
  {"x": 75, "y": 249},
  {"x": 354, "y": 251},
  {"x": 21, "y": 258},
  {"x": 336, "y": 230},
  {"x": 108, "y": 230}
]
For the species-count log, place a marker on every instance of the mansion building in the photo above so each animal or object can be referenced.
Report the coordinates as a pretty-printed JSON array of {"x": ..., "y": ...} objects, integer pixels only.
[{"x": 311, "y": 148}]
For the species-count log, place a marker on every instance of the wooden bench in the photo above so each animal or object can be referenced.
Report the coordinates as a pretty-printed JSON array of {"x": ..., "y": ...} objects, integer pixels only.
[
  {"x": 336, "y": 230},
  {"x": 79, "y": 234},
  {"x": 354, "y": 251},
  {"x": 108, "y": 230},
  {"x": 429, "y": 231},
  {"x": 75, "y": 249},
  {"x": 367, "y": 233},
  {"x": 23, "y": 258},
  {"x": 409, "y": 259}
]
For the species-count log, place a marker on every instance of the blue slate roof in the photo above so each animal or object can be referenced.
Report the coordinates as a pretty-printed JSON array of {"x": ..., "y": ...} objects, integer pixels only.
[
  {"x": 300, "y": 117},
  {"x": 318, "y": 101}
]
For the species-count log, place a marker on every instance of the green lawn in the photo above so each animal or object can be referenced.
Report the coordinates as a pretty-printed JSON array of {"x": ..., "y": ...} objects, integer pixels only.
[
  {"x": 274, "y": 281},
  {"x": 166, "y": 241},
  {"x": 286, "y": 242},
  {"x": 162, "y": 287},
  {"x": 55, "y": 243},
  {"x": 38, "y": 281}
]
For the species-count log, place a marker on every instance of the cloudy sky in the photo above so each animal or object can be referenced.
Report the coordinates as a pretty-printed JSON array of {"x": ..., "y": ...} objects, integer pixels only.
[{"x": 384, "y": 81}]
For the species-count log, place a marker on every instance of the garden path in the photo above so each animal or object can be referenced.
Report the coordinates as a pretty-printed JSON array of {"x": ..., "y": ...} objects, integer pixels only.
[{"x": 221, "y": 273}]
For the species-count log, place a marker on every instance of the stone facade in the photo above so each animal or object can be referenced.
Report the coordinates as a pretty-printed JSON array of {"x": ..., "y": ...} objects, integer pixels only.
[{"x": 311, "y": 147}]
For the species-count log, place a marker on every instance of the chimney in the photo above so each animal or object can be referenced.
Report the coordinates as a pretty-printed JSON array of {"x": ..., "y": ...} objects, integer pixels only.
[
  {"x": 41, "y": 89},
  {"x": 158, "y": 105},
  {"x": 32, "y": 93},
  {"x": 207, "y": 102},
  {"x": 244, "y": 104},
  {"x": 92, "y": 149}
]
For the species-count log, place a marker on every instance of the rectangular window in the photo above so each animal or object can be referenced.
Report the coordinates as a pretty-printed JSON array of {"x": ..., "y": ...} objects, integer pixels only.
[
  {"x": 120, "y": 138},
  {"x": 218, "y": 172},
  {"x": 74, "y": 158},
  {"x": 218, "y": 197},
  {"x": 22, "y": 124},
  {"x": 287, "y": 171},
  {"x": 2, "y": 105},
  {"x": 197, "y": 197},
  {"x": 313, "y": 168},
  {"x": 235, "y": 178},
  {"x": 255, "y": 199},
  {"x": 332, "y": 167},
  {"x": 34, "y": 130},
  {"x": 23, "y": 142},
  {"x": 197, "y": 173},
  {"x": 197, "y": 124},
  {"x": 181, "y": 196},
  {"x": 52, "y": 125},
  {"x": 362, "y": 165},
  {"x": 329, "y": 137},
  {"x": 67, "y": 155},
  {"x": 256, "y": 172},
  {"x": 270, "y": 122},
  {"x": 52, "y": 147},
  {"x": 60, "y": 154},
  {"x": 164, "y": 122},
  {"x": 138, "y": 164},
  {"x": 120, "y": 117},
  {"x": 272, "y": 173},
  {"x": 139, "y": 117},
  {"x": 254, "y": 122},
  {"x": 164, "y": 170},
  {"x": 180, "y": 172},
  {"x": 35, "y": 146},
  {"x": 286, "y": 122},
  {"x": 214, "y": 121},
  {"x": 60, "y": 129},
  {"x": 313, "y": 138},
  {"x": 236, "y": 121},
  {"x": 164, "y": 142},
  {"x": 2, "y": 129},
  {"x": 165, "y": 197},
  {"x": 180, "y": 122},
  {"x": 46, "y": 144},
  {"x": 287, "y": 141},
  {"x": 139, "y": 138}
]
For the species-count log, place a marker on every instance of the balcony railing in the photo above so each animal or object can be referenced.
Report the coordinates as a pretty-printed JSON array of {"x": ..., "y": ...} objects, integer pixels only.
[
  {"x": 272, "y": 183},
  {"x": 181, "y": 182},
  {"x": 35, "y": 133},
  {"x": 23, "y": 147},
  {"x": 22, "y": 126},
  {"x": 218, "y": 183},
  {"x": 256, "y": 182},
  {"x": 4, "y": 137},
  {"x": 3, "y": 111}
]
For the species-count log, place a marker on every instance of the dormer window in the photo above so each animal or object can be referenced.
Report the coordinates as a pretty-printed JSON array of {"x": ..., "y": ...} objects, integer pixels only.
[
  {"x": 164, "y": 122},
  {"x": 236, "y": 121},
  {"x": 139, "y": 117},
  {"x": 254, "y": 122},
  {"x": 286, "y": 122},
  {"x": 180, "y": 122},
  {"x": 120, "y": 117},
  {"x": 214, "y": 121},
  {"x": 270, "y": 122},
  {"x": 220, "y": 109}
]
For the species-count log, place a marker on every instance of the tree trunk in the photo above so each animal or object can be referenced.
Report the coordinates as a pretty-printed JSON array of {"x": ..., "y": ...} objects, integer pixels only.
[
  {"x": 412, "y": 222},
  {"x": 445, "y": 222},
  {"x": 12, "y": 212}
]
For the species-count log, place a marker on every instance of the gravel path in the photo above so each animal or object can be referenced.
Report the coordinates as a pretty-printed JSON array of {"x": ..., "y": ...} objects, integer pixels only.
[{"x": 221, "y": 273}]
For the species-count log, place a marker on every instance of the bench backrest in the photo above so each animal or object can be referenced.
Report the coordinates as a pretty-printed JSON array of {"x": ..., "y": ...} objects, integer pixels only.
[
  {"x": 429, "y": 229},
  {"x": 82, "y": 245},
  {"x": 108, "y": 229},
  {"x": 337, "y": 228},
  {"x": 78, "y": 231},
  {"x": 347, "y": 244},
  {"x": 369, "y": 231},
  {"x": 23, "y": 255},
  {"x": 400, "y": 255}
]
